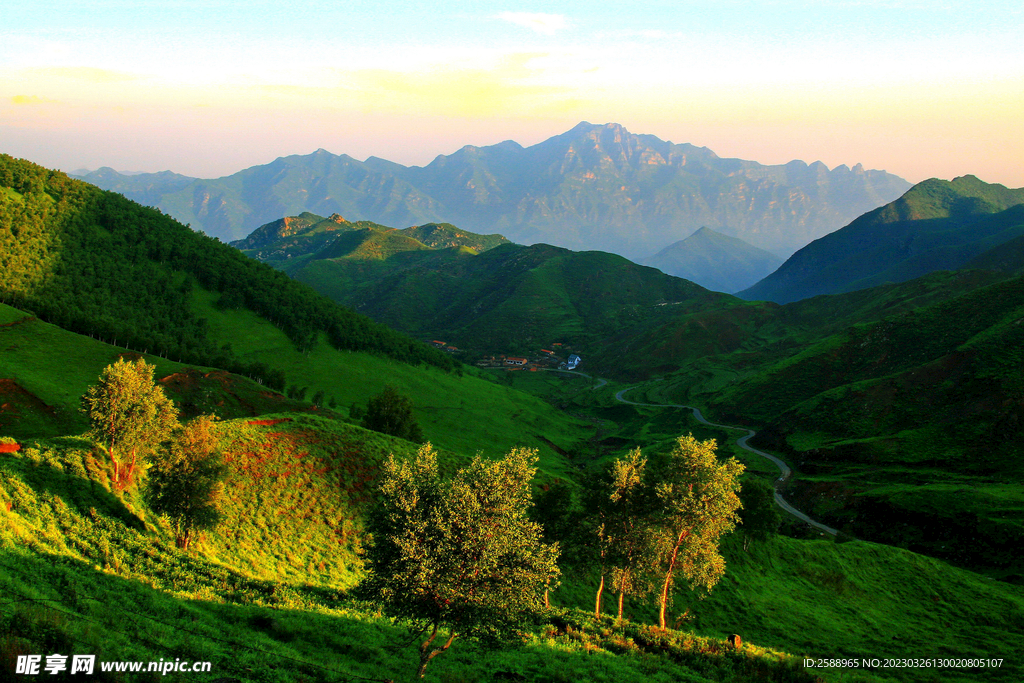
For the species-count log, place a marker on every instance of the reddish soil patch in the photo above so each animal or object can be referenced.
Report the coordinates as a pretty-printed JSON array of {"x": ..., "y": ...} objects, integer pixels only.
[
  {"x": 182, "y": 382},
  {"x": 19, "y": 321},
  {"x": 265, "y": 423},
  {"x": 15, "y": 399},
  {"x": 9, "y": 447}
]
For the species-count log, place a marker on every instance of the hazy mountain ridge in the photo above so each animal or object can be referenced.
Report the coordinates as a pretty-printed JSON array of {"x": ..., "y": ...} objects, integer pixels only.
[
  {"x": 715, "y": 261},
  {"x": 937, "y": 225},
  {"x": 593, "y": 187}
]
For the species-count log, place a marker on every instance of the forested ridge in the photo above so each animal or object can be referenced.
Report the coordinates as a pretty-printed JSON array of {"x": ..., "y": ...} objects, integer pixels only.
[{"x": 96, "y": 263}]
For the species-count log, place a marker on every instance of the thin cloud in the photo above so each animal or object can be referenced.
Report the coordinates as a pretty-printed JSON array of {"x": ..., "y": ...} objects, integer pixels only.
[
  {"x": 31, "y": 100},
  {"x": 539, "y": 22}
]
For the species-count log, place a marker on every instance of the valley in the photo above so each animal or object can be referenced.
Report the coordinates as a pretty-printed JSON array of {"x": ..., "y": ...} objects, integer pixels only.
[{"x": 893, "y": 413}]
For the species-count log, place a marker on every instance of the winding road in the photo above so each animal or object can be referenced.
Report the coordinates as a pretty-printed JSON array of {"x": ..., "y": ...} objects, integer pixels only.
[{"x": 784, "y": 470}]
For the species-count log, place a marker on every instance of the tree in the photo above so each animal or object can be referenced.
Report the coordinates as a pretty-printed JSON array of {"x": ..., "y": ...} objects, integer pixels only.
[
  {"x": 759, "y": 518},
  {"x": 130, "y": 416},
  {"x": 697, "y": 505},
  {"x": 457, "y": 555},
  {"x": 620, "y": 514},
  {"x": 391, "y": 413},
  {"x": 185, "y": 482},
  {"x": 634, "y": 546}
]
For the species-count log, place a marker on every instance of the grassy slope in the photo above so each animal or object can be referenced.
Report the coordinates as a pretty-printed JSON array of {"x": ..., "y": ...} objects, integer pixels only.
[
  {"x": 508, "y": 299},
  {"x": 264, "y": 599},
  {"x": 467, "y": 414},
  {"x": 45, "y": 370},
  {"x": 887, "y": 420}
]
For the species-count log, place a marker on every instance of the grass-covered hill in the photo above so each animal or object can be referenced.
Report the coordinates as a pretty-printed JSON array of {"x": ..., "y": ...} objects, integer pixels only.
[
  {"x": 906, "y": 424},
  {"x": 936, "y": 225},
  {"x": 87, "y": 568},
  {"x": 290, "y": 242},
  {"x": 266, "y": 596},
  {"x": 92, "y": 262},
  {"x": 716, "y": 261},
  {"x": 509, "y": 298},
  {"x": 903, "y": 381}
]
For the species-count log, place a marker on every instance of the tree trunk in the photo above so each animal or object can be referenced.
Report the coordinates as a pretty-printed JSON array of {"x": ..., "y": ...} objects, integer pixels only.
[
  {"x": 663, "y": 598},
  {"x": 622, "y": 594},
  {"x": 426, "y": 654},
  {"x": 597, "y": 603}
]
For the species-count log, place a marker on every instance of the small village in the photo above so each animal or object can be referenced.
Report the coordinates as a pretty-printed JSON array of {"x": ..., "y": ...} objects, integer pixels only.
[{"x": 558, "y": 357}]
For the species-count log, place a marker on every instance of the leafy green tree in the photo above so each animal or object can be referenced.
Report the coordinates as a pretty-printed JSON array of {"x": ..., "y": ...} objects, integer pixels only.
[
  {"x": 130, "y": 416},
  {"x": 391, "y": 413},
  {"x": 697, "y": 500},
  {"x": 619, "y": 514},
  {"x": 185, "y": 482},
  {"x": 759, "y": 518},
  {"x": 457, "y": 555},
  {"x": 634, "y": 547}
]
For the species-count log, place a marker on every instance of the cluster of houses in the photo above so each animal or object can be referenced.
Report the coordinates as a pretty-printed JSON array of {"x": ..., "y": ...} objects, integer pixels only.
[
  {"x": 558, "y": 357},
  {"x": 545, "y": 359},
  {"x": 444, "y": 346}
]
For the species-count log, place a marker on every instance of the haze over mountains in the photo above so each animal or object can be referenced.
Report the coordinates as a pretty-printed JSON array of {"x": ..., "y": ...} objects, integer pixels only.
[
  {"x": 595, "y": 187},
  {"x": 715, "y": 261}
]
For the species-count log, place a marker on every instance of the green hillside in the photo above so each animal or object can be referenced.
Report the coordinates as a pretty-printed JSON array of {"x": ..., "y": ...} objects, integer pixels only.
[
  {"x": 853, "y": 415},
  {"x": 914, "y": 418},
  {"x": 899, "y": 406},
  {"x": 92, "y": 262},
  {"x": 290, "y": 243},
  {"x": 936, "y": 225},
  {"x": 265, "y": 596},
  {"x": 507, "y": 299}
]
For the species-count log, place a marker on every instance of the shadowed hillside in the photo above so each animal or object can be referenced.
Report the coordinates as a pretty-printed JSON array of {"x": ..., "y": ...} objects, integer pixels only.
[
  {"x": 937, "y": 225},
  {"x": 715, "y": 261}
]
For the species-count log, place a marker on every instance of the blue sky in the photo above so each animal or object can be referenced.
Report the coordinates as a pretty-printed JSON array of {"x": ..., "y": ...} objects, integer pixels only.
[{"x": 206, "y": 88}]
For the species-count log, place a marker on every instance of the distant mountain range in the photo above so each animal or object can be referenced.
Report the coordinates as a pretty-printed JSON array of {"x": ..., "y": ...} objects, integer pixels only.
[
  {"x": 715, "y": 261},
  {"x": 937, "y": 225},
  {"x": 595, "y": 187}
]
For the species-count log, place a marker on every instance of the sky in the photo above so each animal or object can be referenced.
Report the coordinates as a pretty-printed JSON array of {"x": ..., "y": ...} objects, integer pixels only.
[{"x": 208, "y": 87}]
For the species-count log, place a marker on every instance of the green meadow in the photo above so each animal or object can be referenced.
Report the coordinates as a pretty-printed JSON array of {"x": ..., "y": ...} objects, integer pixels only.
[{"x": 265, "y": 596}]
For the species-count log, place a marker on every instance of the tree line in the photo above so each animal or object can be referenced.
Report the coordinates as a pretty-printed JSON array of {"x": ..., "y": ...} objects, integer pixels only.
[{"x": 96, "y": 263}]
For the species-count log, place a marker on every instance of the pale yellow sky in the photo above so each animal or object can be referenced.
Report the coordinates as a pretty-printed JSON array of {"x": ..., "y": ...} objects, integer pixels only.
[{"x": 942, "y": 95}]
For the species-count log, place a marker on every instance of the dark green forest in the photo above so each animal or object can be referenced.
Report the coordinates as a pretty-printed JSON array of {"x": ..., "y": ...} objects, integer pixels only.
[{"x": 96, "y": 263}]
